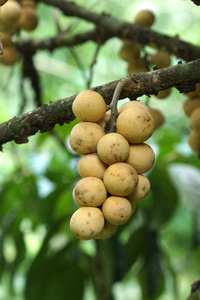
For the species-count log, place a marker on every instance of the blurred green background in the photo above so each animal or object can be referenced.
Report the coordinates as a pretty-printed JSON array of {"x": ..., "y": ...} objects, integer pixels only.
[{"x": 156, "y": 254}]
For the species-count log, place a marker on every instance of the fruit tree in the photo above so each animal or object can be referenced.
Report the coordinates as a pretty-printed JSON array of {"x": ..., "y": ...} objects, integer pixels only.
[{"x": 100, "y": 150}]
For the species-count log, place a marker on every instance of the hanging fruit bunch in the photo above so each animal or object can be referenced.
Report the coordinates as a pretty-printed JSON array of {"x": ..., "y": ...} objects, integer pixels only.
[
  {"x": 15, "y": 16},
  {"x": 114, "y": 159}
]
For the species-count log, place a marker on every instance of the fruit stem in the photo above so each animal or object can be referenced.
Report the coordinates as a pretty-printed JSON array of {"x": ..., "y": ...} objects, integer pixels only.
[{"x": 111, "y": 123}]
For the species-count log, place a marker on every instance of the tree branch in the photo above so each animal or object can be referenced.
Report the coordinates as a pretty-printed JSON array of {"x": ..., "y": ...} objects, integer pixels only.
[
  {"x": 112, "y": 27},
  {"x": 44, "y": 118}
]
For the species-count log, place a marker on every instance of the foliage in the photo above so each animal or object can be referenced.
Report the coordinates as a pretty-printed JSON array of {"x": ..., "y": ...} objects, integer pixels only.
[{"x": 156, "y": 254}]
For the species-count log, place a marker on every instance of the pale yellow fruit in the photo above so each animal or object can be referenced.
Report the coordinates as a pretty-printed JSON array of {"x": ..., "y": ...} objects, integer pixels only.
[
  {"x": 107, "y": 232},
  {"x": 85, "y": 136},
  {"x": 89, "y": 191},
  {"x": 145, "y": 18},
  {"x": 158, "y": 117},
  {"x": 135, "y": 124},
  {"x": 90, "y": 165},
  {"x": 163, "y": 94},
  {"x": 89, "y": 106},
  {"x": 112, "y": 148},
  {"x": 137, "y": 66},
  {"x": 195, "y": 119},
  {"x": 141, "y": 191},
  {"x": 117, "y": 210},
  {"x": 10, "y": 56},
  {"x": 141, "y": 157},
  {"x": 194, "y": 140},
  {"x": 160, "y": 58},
  {"x": 129, "y": 51},
  {"x": 190, "y": 104},
  {"x": 120, "y": 179},
  {"x": 28, "y": 19},
  {"x": 87, "y": 222},
  {"x": 10, "y": 13},
  {"x": 130, "y": 104},
  {"x": 103, "y": 121}
]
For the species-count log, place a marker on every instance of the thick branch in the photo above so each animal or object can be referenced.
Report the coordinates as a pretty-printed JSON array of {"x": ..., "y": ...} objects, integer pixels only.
[
  {"x": 112, "y": 27},
  {"x": 45, "y": 117}
]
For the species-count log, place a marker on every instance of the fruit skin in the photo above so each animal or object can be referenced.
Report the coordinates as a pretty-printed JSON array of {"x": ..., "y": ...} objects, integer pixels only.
[
  {"x": 85, "y": 136},
  {"x": 120, "y": 179},
  {"x": 135, "y": 124},
  {"x": 194, "y": 140},
  {"x": 107, "y": 232},
  {"x": 2, "y": 2},
  {"x": 163, "y": 94},
  {"x": 89, "y": 191},
  {"x": 90, "y": 165},
  {"x": 112, "y": 148},
  {"x": 103, "y": 121},
  {"x": 10, "y": 13},
  {"x": 117, "y": 210},
  {"x": 195, "y": 119},
  {"x": 87, "y": 222},
  {"x": 145, "y": 18},
  {"x": 142, "y": 189},
  {"x": 130, "y": 104},
  {"x": 28, "y": 19},
  {"x": 89, "y": 106},
  {"x": 190, "y": 104},
  {"x": 10, "y": 56},
  {"x": 160, "y": 58},
  {"x": 141, "y": 157},
  {"x": 137, "y": 66},
  {"x": 158, "y": 117},
  {"x": 130, "y": 51}
]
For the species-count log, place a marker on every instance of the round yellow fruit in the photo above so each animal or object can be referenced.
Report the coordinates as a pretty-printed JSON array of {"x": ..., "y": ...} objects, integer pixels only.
[
  {"x": 135, "y": 124},
  {"x": 158, "y": 117},
  {"x": 145, "y": 18},
  {"x": 120, "y": 179},
  {"x": 141, "y": 157},
  {"x": 89, "y": 191},
  {"x": 160, "y": 58},
  {"x": 190, "y": 104},
  {"x": 117, "y": 210},
  {"x": 112, "y": 148},
  {"x": 107, "y": 232},
  {"x": 195, "y": 119},
  {"x": 10, "y": 13},
  {"x": 90, "y": 165},
  {"x": 130, "y": 104},
  {"x": 87, "y": 222},
  {"x": 89, "y": 106},
  {"x": 141, "y": 191},
  {"x": 194, "y": 140},
  {"x": 85, "y": 136}
]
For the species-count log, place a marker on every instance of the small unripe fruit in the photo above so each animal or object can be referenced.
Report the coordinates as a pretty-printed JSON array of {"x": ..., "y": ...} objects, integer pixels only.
[
  {"x": 90, "y": 165},
  {"x": 160, "y": 58},
  {"x": 89, "y": 191},
  {"x": 130, "y": 51},
  {"x": 163, "y": 94},
  {"x": 145, "y": 18},
  {"x": 85, "y": 136},
  {"x": 89, "y": 106},
  {"x": 120, "y": 179},
  {"x": 117, "y": 210},
  {"x": 158, "y": 117},
  {"x": 10, "y": 56},
  {"x": 195, "y": 119},
  {"x": 28, "y": 19},
  {"x": 194, "y": 140},
  {"x": 190, "y": 104},
  {"x": 112, "y": 148},
  {"x": 87, "y": 222},
  {"x": 107, "y": 232},
  {"x": 135, "y": 124},
  {"x": 141, "y": 157},
  {"x": 130, "y": 104},
  {"x": 142, "y": 189}
]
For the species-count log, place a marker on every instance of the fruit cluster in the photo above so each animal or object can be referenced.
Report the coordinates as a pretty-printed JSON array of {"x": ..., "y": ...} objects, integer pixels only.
[
  {"x": 191, "y": 107},
  {"x": 14, "y": 17},
  {"x": 112, "y": 165}
]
